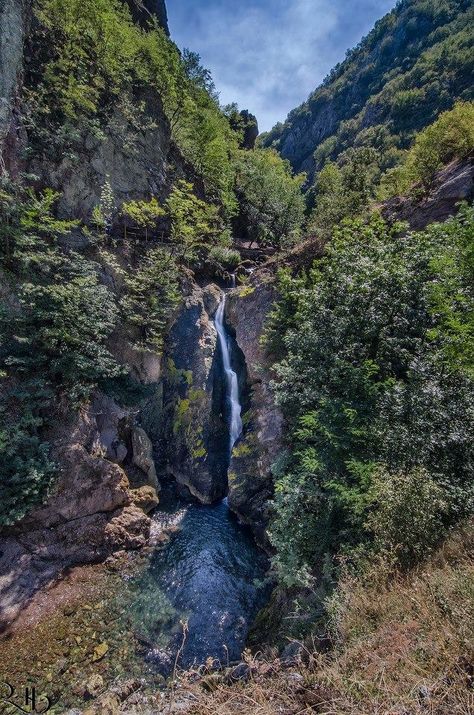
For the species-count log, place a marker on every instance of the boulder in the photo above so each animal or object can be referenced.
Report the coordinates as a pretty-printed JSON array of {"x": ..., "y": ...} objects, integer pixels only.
[
  {"x": 452, "y": 184},
  {"x": 145, "y": 498},
  {"x": 143, "y": 456},
  {"x": 89, "y": 516}
]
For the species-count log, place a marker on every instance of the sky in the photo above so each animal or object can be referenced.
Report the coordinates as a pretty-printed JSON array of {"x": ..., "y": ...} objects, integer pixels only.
[{"x": 269, "y": 55}]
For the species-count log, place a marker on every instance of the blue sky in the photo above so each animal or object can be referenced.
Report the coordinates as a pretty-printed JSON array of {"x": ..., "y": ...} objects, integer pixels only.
[{"x": 268, "y": 55}]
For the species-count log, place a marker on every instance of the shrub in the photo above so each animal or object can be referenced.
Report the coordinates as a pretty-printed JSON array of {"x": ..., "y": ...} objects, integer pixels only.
[
  {"x": 270, "y": 199},
  {"x": 407, "y": 515},
  {"x": 152, "y": 294}
]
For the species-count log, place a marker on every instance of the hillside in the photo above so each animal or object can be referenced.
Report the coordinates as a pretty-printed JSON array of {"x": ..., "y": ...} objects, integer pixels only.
[{"x": 413, "y": 65}]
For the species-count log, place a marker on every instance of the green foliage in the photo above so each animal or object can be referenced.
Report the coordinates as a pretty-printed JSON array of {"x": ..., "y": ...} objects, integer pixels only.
[
  {"x": 144, "y": 214},
  {"x": 195, "y": 224},
  {"x": 89, "y": 57},
  {"x": 27, "y": 470},
  {"x": 452, "y": 297},
  {"x": 224, "y": 258},
  {"x": 270, "y": 199},
  {"x": 415, "y": 63},
  {"x": 406, "y": 517},
  {"x": 56, "y": 328},
  {"x": 343, "y": 191},
  {"x": 450, "y": 137},
  {"x": 152, "y": 294},
  {"x": 366, "y": 378}
]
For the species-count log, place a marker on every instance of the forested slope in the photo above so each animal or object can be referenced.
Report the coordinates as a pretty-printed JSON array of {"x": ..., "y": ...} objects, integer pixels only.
[{"x": 413, "y": 65}]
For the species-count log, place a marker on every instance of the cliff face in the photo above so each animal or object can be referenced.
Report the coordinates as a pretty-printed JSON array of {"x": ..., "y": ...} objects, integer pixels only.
[
  {"x": 135, "y": 161},
  {"x": 250, "y": 475},
  {"x": 93, "y": 511},
  {"x": 194, "y": 429},
  {"x": 106, "y": 475},
  {"x": 12, "y": 32},
  {"x": 144, "y": 11}
]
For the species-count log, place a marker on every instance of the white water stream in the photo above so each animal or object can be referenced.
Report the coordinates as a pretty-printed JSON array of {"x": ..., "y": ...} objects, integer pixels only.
[{"x": 235, "y": 426}]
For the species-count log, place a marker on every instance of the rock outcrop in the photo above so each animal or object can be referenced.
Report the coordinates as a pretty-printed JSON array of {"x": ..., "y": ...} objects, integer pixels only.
[
  {"x": 92, "y": 513},
  {"x": 250, "y": 478},
  {"x": 454, "y": 183},
  {"x": 194, "y": 418},
  {"x": 12, "y": 32},
  {"x": 146, "y": 11},
  {"x": 132, "y": 161}
]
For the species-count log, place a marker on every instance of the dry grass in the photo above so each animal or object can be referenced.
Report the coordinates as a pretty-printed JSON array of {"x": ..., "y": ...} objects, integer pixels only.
[{"x": 403, "y": 646}]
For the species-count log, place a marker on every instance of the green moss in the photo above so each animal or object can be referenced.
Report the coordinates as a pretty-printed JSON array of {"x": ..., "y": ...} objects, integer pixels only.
[
  {"x": 199, "y": 450},
  {"x": 242, "y": 450},
  {"x": 245, "y": 291}
]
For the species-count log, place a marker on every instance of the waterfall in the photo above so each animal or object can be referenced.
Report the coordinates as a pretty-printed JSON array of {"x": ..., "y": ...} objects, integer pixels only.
[{"x": 232, "y": 394}]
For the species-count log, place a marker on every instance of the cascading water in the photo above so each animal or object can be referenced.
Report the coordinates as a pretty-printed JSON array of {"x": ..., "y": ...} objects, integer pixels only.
[{"x": 235, "y": 426}]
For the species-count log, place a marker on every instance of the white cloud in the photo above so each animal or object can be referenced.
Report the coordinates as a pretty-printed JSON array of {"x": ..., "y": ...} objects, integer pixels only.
[{"x": 269, "y": 55}]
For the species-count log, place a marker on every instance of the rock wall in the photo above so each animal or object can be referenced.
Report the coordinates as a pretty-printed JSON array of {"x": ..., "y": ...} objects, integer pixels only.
[
  {"x": 194, "y": 423},
  {"x": 92, "y": 513},
  {"x": 134, "y": 159},
  {"x": 12, "y": 31},
  {"x": 250, "y": 478},
  {"x": 454, "y": 183},
  {"x": 145, "y": 10}
]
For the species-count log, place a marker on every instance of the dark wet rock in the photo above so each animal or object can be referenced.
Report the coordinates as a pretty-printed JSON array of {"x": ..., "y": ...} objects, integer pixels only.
[
  {"x": 145, "y": 11},
  {"x": 292, "y": 654},
  {"x": 143, "y": 455},
  {"x": 242, "y": 671},
  {"x": 195, "y": 431},
  {"x": 250, "y": 478}
]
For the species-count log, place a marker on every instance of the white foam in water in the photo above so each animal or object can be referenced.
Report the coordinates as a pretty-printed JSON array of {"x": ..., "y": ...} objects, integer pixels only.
[{"x": 235, "y": 427}]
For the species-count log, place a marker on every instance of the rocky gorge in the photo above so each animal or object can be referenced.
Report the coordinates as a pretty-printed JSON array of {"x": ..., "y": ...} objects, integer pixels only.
[
  {"x": 118, "y": 451},
  {"x": 162, "y": 489}
]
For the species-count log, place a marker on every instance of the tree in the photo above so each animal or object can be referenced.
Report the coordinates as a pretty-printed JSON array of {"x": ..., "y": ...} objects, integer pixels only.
[
  {"x": 195, "y": 224},
  {"x": 343, "y": 191},
  {"x": 199, "y": 75},
  {"x": 143, "y": 214},
  {"x": 152, "y": 294},
  {"x": 270, "y": 198},
  {"x": 366, "y": 381}
]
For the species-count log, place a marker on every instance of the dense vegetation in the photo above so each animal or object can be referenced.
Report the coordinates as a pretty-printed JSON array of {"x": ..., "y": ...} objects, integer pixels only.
[
  {"x": 372, "y": 346},
  {"x": 347, "y": 187},
  {"x": 413, "y": 65},
  {"x": 375, "y": 382}
]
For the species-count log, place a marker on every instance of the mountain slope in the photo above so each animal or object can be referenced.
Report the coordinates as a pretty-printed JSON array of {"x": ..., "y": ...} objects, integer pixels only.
[{"x": 413, "y": 65}]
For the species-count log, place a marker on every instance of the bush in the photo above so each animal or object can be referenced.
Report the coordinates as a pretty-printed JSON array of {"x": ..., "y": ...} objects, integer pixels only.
[
  {"x": 407, "y": 516},
  {"x": 27, "y": 470},
  {"x": 270, "y": 199},
  {"x": 152, "y": 294}
]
